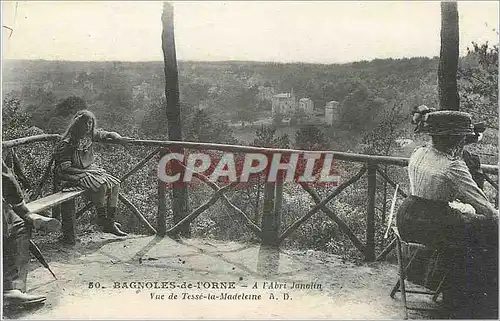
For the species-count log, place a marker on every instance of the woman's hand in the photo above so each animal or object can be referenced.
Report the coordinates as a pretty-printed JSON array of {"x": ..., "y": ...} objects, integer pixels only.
[
  {"x": 469, "y": 218},
  {"x": 116, "y": 136}
]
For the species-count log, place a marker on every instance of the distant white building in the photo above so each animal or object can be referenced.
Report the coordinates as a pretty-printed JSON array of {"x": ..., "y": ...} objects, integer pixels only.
[
  {"x": 284, "y": 104},
  {"x": 307, "y": 106},
  {"x": 332, "y": 112}
]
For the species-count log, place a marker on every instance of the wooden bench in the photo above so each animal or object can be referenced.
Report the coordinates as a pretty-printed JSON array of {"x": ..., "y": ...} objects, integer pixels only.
[
  {"x": 64, "y": 209},
  {"x": 66, "y": 200},
  {"x": 52, "y": 200},
  {"x": 63, "y": 203}
]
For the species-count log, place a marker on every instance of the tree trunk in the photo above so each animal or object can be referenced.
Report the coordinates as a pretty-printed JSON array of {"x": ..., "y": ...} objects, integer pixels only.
[
  {"x": 179, "y": 190},
  {"x": 448, "y": 60}
]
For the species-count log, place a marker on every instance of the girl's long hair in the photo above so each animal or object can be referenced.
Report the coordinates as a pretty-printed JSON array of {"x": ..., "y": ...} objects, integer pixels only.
[{"x": 82, "y": 115}]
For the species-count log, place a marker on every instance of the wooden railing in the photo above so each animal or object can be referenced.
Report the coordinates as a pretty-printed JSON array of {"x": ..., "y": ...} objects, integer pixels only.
[{"x": 269, "y": 232}]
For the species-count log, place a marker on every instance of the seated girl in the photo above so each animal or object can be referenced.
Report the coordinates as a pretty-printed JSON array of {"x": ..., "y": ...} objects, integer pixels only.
[{"x": 74, "y": 167}]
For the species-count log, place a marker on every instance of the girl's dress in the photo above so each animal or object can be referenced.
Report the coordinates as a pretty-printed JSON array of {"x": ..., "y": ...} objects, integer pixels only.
[{"x": 69, "y": 153}]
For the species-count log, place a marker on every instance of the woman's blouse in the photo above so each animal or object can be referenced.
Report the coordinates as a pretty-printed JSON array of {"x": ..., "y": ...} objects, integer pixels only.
[{"x": 435, "y": 175}]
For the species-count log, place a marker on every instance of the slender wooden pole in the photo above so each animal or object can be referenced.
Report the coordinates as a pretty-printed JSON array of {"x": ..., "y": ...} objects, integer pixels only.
[
  {"x": 179, "y": 191},
  {"x": 278, "y": 202},
  {"x": 268, "y": 226},
  {"x": 384, "y": 204},
  {"x": 448, "y": 59},
  {"x": 257, "y": 202},
  {"x": 161, "y": 217},
  {"x": 370, "y": 213}
]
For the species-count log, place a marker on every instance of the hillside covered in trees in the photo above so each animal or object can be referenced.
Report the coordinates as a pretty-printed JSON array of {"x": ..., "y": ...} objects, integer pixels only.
[
  {"x": 228, "y": 91},
  {"x": 127, "y": 96}
]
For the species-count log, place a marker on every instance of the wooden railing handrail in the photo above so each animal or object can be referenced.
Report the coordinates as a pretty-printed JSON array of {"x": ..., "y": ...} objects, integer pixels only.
[
  {"x": 353, "y": 157},
  {"x": 29, "y": 139},
  {"x": 360, "y": 158}
]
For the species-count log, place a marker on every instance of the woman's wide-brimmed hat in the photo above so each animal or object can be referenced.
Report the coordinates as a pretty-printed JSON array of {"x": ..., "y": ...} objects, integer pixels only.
[{"x": 442, "y": 122}]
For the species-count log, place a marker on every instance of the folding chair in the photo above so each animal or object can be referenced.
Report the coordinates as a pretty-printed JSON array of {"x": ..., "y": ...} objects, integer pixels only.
[{"x": 400, "y": 285}]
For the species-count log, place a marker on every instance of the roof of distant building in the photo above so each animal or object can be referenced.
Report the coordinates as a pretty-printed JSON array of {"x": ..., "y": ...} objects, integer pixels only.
[
  {"x": 283, "y": 95},
  {"x": 332, "y": 104}
]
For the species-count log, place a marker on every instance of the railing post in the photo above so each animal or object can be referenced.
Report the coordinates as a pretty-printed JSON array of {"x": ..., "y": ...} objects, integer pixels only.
[
  {"x": 161, "y": 221},
  {"x": 370, "y": 212},
  {"x": 68, "y": 222},
  {"x": 269, "y": 226},
  {"x": 278, "y": 203}
]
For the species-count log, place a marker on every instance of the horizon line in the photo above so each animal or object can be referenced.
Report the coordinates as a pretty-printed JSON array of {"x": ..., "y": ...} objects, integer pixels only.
[{"x": 223, "y": 61}]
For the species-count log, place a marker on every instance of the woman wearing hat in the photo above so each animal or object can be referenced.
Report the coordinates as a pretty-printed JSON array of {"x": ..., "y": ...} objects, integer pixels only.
[
  {"x": 439, "y": 177},
  {"x": 74, "y": 167}
]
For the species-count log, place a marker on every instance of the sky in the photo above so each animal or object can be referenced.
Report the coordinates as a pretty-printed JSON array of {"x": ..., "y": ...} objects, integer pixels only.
[{"x": 281, "y": 31}]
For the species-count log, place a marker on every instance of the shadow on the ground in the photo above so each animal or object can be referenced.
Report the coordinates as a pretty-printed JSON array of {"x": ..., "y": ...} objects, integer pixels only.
[
  {"x": 17, "y": 312},
  {"x": 87, "y": 243}
]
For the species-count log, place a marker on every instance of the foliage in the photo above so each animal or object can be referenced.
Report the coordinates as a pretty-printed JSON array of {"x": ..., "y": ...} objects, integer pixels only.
[
  {"x": 63, "y": 112},
  {"x": 43, "y": 108},
  {"x": 478, "y": 82},
  {"x": 360, "y": 110},
  {"x": 381, "y": 140},
  {"x": 117, "y": 108},
  {"x": 311, "y": 137},
  {"x": 200, "y": 127},
  {"x": 154, "y": 122},
  {"x": 15, "y": 122},
  {"x": 266, "y": 137},
  {"x": 69, "y": 106}
]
